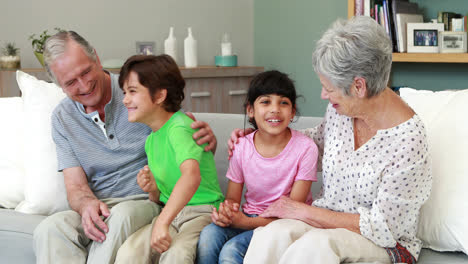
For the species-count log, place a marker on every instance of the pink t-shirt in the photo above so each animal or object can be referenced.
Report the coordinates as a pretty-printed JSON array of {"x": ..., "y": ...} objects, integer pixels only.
[{"x": 267, "y": 179}]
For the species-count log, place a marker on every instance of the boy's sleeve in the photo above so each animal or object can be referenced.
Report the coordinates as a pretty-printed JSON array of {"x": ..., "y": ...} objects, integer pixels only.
[{"x": 184, "y": 145}]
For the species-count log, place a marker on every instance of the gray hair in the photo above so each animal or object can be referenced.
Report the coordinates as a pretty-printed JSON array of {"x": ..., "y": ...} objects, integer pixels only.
[
  {"x": 56, "y": 45},
  {"x": 358, "y": 47}
]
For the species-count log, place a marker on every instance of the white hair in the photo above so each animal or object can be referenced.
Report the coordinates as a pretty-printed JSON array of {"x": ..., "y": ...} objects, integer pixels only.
[
  {"x": 358, "y": 47},
  {"x": 55, "y": 46}
]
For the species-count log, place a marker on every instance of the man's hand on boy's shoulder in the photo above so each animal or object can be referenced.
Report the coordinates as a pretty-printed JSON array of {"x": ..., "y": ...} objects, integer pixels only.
[{"x": 204, "y": 134}]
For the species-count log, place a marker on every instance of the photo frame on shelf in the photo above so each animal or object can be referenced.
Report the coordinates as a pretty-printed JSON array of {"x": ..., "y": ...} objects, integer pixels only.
[
  {"x": 423, "y": 37},
  {"x": 452, "y": 42},
  {"x": 145, "y": 47}
]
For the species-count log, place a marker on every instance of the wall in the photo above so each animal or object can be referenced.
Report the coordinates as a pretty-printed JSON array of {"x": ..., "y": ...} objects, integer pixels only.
[
  {"x": 113, "y": 26},
  {"x": 285, "y": 36}
]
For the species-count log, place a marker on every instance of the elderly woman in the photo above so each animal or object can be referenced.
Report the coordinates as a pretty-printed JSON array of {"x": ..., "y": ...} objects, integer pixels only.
[{"x": 374, "y": 159}]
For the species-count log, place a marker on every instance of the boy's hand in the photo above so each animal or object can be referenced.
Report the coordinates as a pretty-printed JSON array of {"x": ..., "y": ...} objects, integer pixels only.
[
  {"x": 160, "y": 237},
  {"x": 146, "y": 180}
]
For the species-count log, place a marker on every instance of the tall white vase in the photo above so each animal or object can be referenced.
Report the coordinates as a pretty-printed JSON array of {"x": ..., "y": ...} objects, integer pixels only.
[
  {"x": 190, "y": 50},
  {"x": 170, "y": 45}
]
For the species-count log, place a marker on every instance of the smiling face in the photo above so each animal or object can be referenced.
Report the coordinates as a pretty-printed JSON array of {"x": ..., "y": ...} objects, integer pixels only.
[
  {"x": 272, "y": 113},
  {"x": 343, "y": 104},
  {"x": 138, "y": 100},
  {"x": 81, "y": 78}
]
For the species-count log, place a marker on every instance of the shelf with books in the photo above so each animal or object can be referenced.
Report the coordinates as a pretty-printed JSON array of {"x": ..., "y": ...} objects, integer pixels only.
[{"x": 420, "y": 57}]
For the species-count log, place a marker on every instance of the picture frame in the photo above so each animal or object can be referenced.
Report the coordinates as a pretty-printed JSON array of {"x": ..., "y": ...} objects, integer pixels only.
[
  {"x": 423, "y": 37},
  {"x": 145, "y": 47},
  {"x": 452, "y": 42}
]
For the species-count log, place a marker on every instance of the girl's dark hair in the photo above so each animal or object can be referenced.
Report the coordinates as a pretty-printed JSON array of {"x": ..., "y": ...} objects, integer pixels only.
[
  {"x": 156, "y": 73},
  {"x": 270, "y": 82}
]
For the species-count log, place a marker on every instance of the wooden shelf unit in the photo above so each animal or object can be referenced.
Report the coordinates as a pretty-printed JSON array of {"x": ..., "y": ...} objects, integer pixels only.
[
  {"x": 208, "y": 89},
  {"x": 420, "y": 57}
]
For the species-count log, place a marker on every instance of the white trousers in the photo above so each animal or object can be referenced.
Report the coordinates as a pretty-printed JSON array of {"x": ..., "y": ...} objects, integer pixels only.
[
  {"x": 293, "y": 241},
  {"x": 60, "y": 238}
]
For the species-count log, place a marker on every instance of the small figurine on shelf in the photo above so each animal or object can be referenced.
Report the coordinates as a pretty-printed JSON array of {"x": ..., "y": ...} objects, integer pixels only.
[{"x": 10, "y": 58}]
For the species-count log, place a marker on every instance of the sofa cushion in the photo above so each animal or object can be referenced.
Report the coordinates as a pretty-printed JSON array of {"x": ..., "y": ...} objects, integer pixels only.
[
  {"x": 16, "y": 234},
  {"x": 44, "y": 190},
  {"x": 443, "y": 223},
  {"x": 11, "y": 152}
]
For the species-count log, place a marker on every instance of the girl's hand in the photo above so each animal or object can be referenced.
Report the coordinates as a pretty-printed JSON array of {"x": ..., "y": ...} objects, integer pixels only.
[
  {"x": 238, "y": 219},
  {"x": 160, "y": 237},
  {"x": 223, "y": 217},
  {"x": 220, "y": 218},
  {"x": 146, "y": 180},
  {"x": 235, "y": 135}
]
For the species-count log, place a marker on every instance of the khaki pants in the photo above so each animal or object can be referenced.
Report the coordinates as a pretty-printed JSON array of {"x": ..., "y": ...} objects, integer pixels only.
[
  {"x": 184, "y": 231},
  {"x": 60, "y": 238},
  {"x": 293, "y": 241}
]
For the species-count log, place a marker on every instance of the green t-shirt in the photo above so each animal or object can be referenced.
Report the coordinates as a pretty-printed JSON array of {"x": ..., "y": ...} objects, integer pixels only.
[{"x": 168, "y": 148}]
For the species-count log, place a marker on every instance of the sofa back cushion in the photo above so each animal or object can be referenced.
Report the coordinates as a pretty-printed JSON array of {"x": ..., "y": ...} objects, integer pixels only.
[
  {"x": 11, "y": 152},
  {"x": 44, "y": 190},
  {"x": 443, "y": 224}
]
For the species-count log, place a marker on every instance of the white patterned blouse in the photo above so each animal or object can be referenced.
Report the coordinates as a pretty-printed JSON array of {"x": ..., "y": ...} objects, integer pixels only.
[{"x": 386, "y": 180}]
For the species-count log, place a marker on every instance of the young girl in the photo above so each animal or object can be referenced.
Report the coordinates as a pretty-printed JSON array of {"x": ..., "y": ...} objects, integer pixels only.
[
  {"x": 181, "y": 175},
  {"x": 273, "y": 161}
]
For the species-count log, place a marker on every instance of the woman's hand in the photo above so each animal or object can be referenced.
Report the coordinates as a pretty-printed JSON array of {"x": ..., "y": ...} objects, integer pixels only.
[
  {"x": 235, "y": 135},
  {"x": 160, "y": 237},
  {"x": 285, "y": 207}
]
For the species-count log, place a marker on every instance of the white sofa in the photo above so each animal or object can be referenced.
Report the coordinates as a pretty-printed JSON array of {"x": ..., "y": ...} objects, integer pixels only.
[{"x": 29, "y": 199}]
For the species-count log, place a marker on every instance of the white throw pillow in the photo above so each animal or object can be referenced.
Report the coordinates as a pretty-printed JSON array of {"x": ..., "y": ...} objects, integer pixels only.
[
  {"x": 443, "y": 224},
  {"x": 11, "y": 152},
  {"x": 44, "y": 190}
]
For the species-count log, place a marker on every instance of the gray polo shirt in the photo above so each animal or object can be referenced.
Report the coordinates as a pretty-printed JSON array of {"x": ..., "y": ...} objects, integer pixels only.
[{"x": 111, "y": 153}]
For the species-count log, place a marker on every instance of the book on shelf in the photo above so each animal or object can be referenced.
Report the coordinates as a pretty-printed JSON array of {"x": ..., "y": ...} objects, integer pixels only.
[
  {"x": 359, "y": 7},
  {"x": 403, "y": 7},
  {"x": 367, "y": 7},
  {"x": 449, "y": 18},
  {"x": 446, "y": 18},
  {"x": 401, "y": 21},
  {"x": 458, "y": 24},
  {"x": 384, "y": 12}
]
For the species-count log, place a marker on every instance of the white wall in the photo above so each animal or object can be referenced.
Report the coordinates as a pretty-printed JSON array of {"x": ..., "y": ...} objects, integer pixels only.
[{"x": 113, "y": 26}]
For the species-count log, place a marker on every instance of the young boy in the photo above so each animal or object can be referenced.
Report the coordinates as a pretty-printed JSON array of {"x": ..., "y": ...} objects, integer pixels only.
[{"x": 181, "y": 175}]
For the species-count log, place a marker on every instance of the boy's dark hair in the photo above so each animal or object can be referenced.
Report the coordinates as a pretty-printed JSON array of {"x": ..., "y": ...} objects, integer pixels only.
[
  {"x": 270, "y": 82},
  {"x": 156, "y": 73}
]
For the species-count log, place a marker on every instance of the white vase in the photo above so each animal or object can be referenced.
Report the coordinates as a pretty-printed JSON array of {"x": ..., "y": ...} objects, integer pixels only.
[
  {"x": 170, "y": 45},
  {"x": 190, "y": 50}
]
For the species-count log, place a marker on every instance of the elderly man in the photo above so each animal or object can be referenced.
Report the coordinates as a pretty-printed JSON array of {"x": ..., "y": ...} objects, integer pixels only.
[{"x": 100, "y": 154}]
